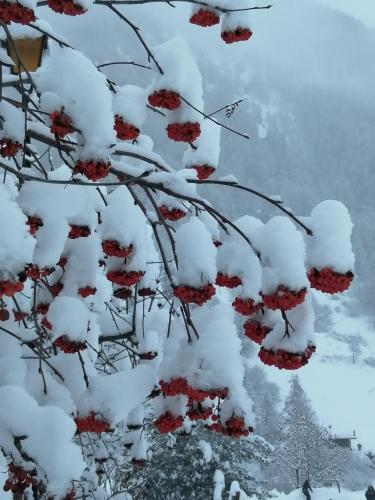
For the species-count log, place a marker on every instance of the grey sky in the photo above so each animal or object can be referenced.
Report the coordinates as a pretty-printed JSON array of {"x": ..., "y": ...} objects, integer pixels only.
[{"x": 364, "y": 10}]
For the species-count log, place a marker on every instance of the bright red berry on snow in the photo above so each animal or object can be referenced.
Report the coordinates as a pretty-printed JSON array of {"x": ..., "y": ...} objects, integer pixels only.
[
  {"x": 114, "y": 249},
  {"x": 8, "y": 147},
  {"x": 163, "y": 98},
  {"x": 194, "y": 295},
  {"x": 125, "y": 278},
  {"x": 92, "y": 169},
  {"x": 329, "y": 281},
  {"x": 16, "y": 13},
  {"x": 284, "y": 299},
  {"x": 255, "y": 331},
  {"x": 125, "y": 131},
  {"x": 184, "y": 132},
  {"x": 238, "y": 35},
  {"x": 247, "y": 307},
  {"x": 205, "y": 18},
  {"x": 172, "y": 214},
  {"x": 67, "y": 7},
  {"x": 227, "y": 281},
  {"x": 61, "y": 124}
]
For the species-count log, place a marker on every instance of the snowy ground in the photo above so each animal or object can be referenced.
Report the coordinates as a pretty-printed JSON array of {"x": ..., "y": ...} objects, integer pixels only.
[
  {"x": 324, "y": 494},
  {"x": 342, "y": 392}
]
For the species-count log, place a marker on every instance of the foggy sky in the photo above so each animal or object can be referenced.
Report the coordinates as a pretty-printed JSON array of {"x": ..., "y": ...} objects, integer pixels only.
[{"x": 363, "y": 10}]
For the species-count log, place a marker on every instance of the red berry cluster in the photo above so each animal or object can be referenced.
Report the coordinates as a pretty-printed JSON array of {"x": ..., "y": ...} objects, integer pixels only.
[
  {"x": 86, "y": 291},
  {"x": 92, "y": 424},
  {"x": 194, "y": 295},
  {"x": 67, "y": 7},
  {"x": 197, "y": 412},
  {"x": 34, "y": 273},
  {"x": 47, "y": 324},
  {"x": 146, "y": 292},
  {"x": 125, "y": 278},
  {"x": 205, "y": 18},
  {"x": 284, "y": 298},
  {"x": 34, "y": 224},
  {"x": 9, "y": 288},
  {"x": 178, "y": 386},
  {"x": 184, "y": 132},
  {"x": 92, "y": 169},
  {"x": 56, "y": 288},
  {"x": 238, "y": 35},
  {"x": 62, "y": 261},
  {"x": 19, "y": 479},
  {"x": 42, "y": 309},
  {"x": 235, "y": 427},
  {"x": 4, "y": 314},
  {"x": 61, "y": 124},
  {"x": 123, "y": 293},
  {"x": 172, "y": 214},
  {"x": 78, "y": 232},
  {"x": 114, "y": 249},
  {"x": 329, "y": 281},
  {"x": 69, "y": 346},
  {"x": 7, "y": 146},
  {"x": 174, "y": 387},
  {"x": 19, "y": 315},
  {"x": 227, "y": 281},
  {"x": 148, "y": 356},
  {"x": 163, "y": 98},
  {"x": 125, "y": 131},
  {"x": 255, "y": 331},
  {"x": 168, "y": 423},
  {"x": 285, "y": 360},
  {"x": 247, "y": 307},
  {"x": 203, "y": 171},
  {"x": 16, "y": 13}
]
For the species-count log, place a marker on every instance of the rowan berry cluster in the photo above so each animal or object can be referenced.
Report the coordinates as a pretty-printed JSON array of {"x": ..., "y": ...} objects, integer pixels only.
[
  {"x": 114, "y": 249},
  {"x": 69, "y": 346},
  {"x": 61, "y": 124},
  {"x": 255, "y": 331},
  {"x": 205, "y": 18},
  {"x": 92, "y": 169},
  {"x": 34, "y": 224},
  {"x": 194, "y": 295},
  {"x": 184, "y": 132},
  {"x": 148, "y": 356},
  {"x": 19, "y": 479},
  {"x": 125, "y": 131},
  {"x": 146, "y": 292},
  {"x": 125, "y": 278},
  {"x": 8, "y": 147},
  {"x": 247, "y": 307},
  {"x": 329, "y": 281},
  {"x": 16, "y": 13},
  {"x": 92, "y": 423},
  {"x": 9, "y": 288},
  {"x": 283, "y": 298},
  {"x": 78, "y": 232},
  {"x": 285, "y": 360},
  {"x": 123, "y": 293},
  {"x": 163, "y": 98},
  {"x": 227, "y": 281},
  {"x": 238, "y": 35},
  {"x": 203, "y": 171},
  {"x": 86, "y": 291},
  {"x": 168, "y": 423},
  {"x": 172, "y": 214},
  {"x": 67, "y": 7}
]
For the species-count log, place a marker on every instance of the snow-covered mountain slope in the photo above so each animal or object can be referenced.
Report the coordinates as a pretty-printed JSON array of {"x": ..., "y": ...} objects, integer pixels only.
[{"x": 340, "y": 377}]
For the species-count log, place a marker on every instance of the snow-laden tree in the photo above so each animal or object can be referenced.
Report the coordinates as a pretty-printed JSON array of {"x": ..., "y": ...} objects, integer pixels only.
[
  {"x": 109, "y": 256},
  {"x": 304, "y": 448},
  {"x": 183, "y": 467}
]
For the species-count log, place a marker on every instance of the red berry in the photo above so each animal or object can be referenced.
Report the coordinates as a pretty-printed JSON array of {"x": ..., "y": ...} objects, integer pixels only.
[
  {"x": 78, "y": 232},
  {"x": 125, "y": 131},
  {"x": 92, "y": 169},
  {"x": 8, "y": 147},
  {"x": 123, "y": 293},
  {"x": 4, "y": 315},
  {"x": 329, "y": 281},
  {"x": 163, "y": 98},
  {"x": 227, "y": 281},
  {"x": 238, "y": 35},
  {"x": 184, "y": 132},
  {"x": 86, "y": 291},
  {"x": 255, "y": 331},
  {"x": 194, "y": 295},
  {"x": 247, "y": 307},
  {"x": 34, "y": 224},
  {"x": 69, "y": 346},
  {"x": 147, "y": 356},
  {"x": 125, "y": 278},
  {"x": 61, "y": 124},
  {"x": 67, "y": 7},
  {"x": 172, "y": 214},
  {"x": 283, "y": 298},
  {"x": 203, "y": 171},
  {"x": 114, "y": 249},
  {"x": 168, "y": 423},
  {"x": 17, "y": 13},
  {"x": 205, "y": 18},
  {"x": 284, "y": 359}
]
